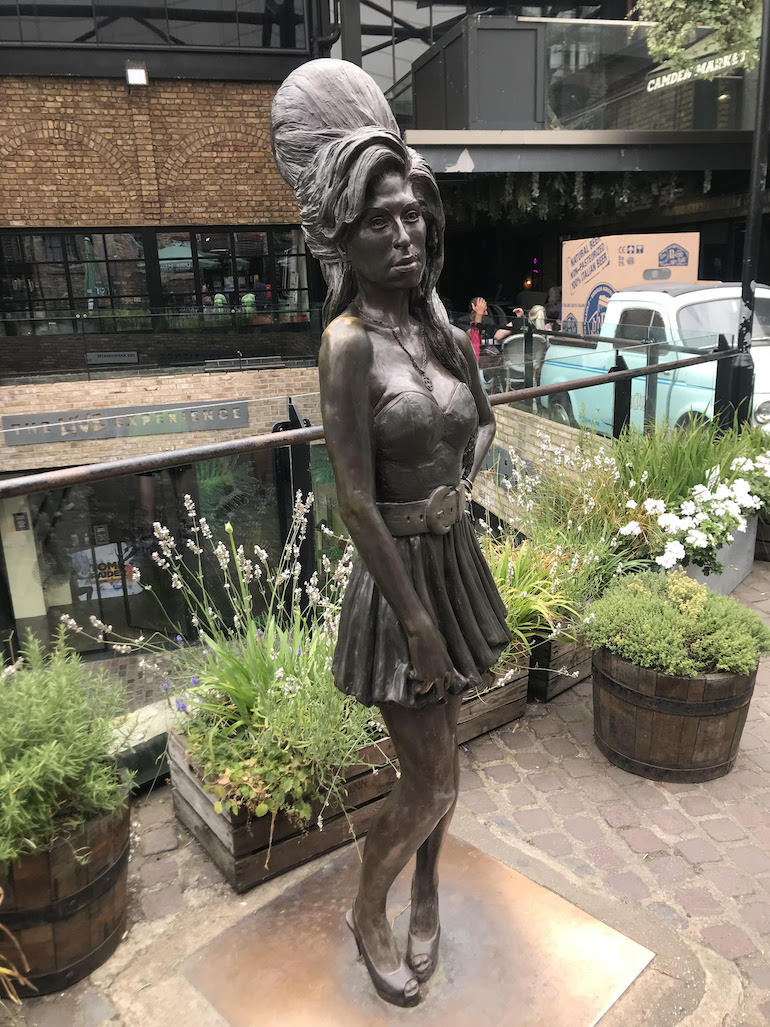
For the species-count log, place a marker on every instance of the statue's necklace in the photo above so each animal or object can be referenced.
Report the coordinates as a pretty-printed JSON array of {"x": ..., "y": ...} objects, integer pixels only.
[{"x": 427, "y": 381}]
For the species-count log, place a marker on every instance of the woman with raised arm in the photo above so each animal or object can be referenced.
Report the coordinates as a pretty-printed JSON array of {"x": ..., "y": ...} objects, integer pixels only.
[{"x": 407, "y": 428}]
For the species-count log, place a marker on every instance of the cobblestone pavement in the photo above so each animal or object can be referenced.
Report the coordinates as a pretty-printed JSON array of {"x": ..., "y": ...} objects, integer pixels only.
[{"x": 694, "y": 858}]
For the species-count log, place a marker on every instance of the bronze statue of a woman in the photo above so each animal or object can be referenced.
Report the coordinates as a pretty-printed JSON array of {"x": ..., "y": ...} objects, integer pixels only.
[{"x": 407, "y": 427}]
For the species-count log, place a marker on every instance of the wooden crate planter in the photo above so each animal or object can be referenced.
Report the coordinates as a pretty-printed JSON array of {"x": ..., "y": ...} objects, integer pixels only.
[
  {"x": 239, "y": 845},
  {"x": 550, "y": 660}
]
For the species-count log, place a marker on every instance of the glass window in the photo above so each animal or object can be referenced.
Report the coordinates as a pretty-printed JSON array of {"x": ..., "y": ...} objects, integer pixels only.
[
  {"x": 128, "y": 277},
  {"x": 133, "y": 24},
  {"x": 215, "y": 266},
  {"x": 255, "y": 289},
  {"x": 57, "y": 22},
  {"x": 124, "y": 246},
  {"x": 272, "y": 23},
  {"x": 176, "y": 269},
  {"x": 202, "y": 22},
  {"x": 10, "y": 27}
]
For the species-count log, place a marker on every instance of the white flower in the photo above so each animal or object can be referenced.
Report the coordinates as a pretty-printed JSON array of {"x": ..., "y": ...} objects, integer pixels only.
[
  {"x": 701, "y": 494},
  {"x": 632, "y": 528},
  {"x": 669, "y": 522},
  {"x": 654, "y": 506},
  {"x": 742, "y": 463},
  {"x": 697, "y": 538},
  {"x": 631, "y": 504},
  {"x": 189, "y": 505},
  {"x": 673, "y": 553},
  {"x": 279, "y": 674},
  {"x": 632, "y": 483},
  {"x": 688, "y": 507}
]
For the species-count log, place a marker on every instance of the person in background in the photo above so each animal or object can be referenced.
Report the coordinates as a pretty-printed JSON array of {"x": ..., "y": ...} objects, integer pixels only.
[
  {"x": 478, "y": 311},
  {"x": 516, "y": 324},
  {"x": 536, "y": 318}
]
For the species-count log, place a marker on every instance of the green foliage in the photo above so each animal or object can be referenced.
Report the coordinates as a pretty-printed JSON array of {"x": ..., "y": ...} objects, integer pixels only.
[
  {"x": 525, "y": 575},
  {"x": 674, "y": 625},
  {"x": 735, "y": 25},
  {"x": 57, "y": 768}
]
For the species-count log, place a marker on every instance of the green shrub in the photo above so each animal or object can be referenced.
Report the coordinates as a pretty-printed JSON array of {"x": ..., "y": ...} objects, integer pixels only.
[
  {"x": 672, "y": 624},
  {"x": 56, "y": 739}
]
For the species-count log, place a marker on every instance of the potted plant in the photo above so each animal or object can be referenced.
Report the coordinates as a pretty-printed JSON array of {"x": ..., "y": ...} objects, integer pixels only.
[
  {"x": 674, "y": 667},
  {"x": 63, "y": 816}
]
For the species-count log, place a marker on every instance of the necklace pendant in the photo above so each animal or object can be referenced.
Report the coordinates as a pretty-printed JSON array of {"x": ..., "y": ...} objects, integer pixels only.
[{"x": 428, "y": 382}]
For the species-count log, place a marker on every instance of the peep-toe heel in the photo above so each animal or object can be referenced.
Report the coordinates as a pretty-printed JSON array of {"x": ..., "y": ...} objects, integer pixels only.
[
  {"x": 422, "y": 954},
  {"x": 400, "y": 987}
]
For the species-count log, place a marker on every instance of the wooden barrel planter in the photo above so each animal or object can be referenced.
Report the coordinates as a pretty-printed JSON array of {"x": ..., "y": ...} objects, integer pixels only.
[
  {"x": 239, "y": 846},
  {"x": 556, "y": 665},
  {"x": 668, "y": 728},
  {"x": 67, "y": 916}
]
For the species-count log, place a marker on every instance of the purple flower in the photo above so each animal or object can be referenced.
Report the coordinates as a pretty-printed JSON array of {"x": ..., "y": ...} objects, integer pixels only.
[
  {"x": 260, "y": 632},
  {"x": 179, "y": 640},
  {"x": 193, "y": 680},
  {"x": 299, "y": 650},
  {"x": 165, "y": 687},
  {"x": 181, "y": 705}
]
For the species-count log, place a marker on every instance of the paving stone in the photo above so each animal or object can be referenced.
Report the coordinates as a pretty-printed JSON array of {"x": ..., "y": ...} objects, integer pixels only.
[
  {"x": 599, "y": 789},
  {"x": 723, "y": 830},
  {"x": 158, "y": 871},
  {"x": 160, "y": 839},
  {"x": 532, "y": 820},
  {"x": 757, "y": 916},
  {"x": 618, "y": 814},
  {"x": 546, "y": 781},
  {"x": 670, "y": 821},
  {"x": 697, "y": 902},
  {"x": 730, "y": 881},
  {"x": 517, "y": 738},
  {"x": 669, "y": 869},
  {"x": 668, "y": 914},
  {"x": 578, "y": 766},
  {"x": 519, "y": 795},
  {"x": 151, "y": 813},
  {"x": 584, "y": 829},
  {"x": 96, "y": 1009},
  {"x": 532, "y": 760},
  {"x": 698, "y": 850},
  {"x": 478, "y": 801},
  {"x": 605, "y": 857},
  {"x": 697, "y": 805},
  {"x": 750, "y": 858},
  {"x": 554, "y": 844},
  {"x": 55, "y": 1011},
  {"x": 583, "y": 733},
  {"x": 566, "y": 802},
  {"x": 502, "y": 773},
  {"x": 545, "y": 727},
  {"x": 484, "y": 749},
  {"x": 761, "y": 759},
  {"x": 164, "y": 901},
  {"x": 764, "y": 1010},
  {"x": 640, "y": 839},
  {"x": 200, "y": 872},
  {"x": 580, "y": 867},
  {"x": 646, "y": 796},
  {"x": 561, "y": 747},
  {"x": 627, "y": 885},
  {"x": 749, "y": 815},
  {"x": 469, "y": 780},
  {"x": 728, "y": 940},
  {"x": 574, "y": 713}
]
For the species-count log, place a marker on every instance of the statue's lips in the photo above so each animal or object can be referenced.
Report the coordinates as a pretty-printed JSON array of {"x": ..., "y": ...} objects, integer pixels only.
[{"x": 407, "y": 264}]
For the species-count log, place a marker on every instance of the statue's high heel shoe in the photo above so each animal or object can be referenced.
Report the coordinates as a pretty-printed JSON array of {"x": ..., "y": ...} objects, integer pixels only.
[
  {"x": 422, "y": 954},
  {"x": 399, "y": 987}
]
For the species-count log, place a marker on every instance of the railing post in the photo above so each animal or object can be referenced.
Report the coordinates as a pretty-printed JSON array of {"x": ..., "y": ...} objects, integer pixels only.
[
  {"x": 529, "y": 368},
  {"x": 621, "y": 409},
  {"x": 292, "y": 475},
  {"x": 651, "y": 392}
]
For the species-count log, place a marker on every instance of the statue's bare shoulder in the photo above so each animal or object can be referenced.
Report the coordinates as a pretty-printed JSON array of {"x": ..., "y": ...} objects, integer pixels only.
[{"x": 346, "y": 350}]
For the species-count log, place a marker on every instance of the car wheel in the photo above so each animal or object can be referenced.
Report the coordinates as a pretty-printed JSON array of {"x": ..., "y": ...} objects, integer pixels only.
[
  {"x": 693, "y": 419},
  {"x": 560, "y": 409}
]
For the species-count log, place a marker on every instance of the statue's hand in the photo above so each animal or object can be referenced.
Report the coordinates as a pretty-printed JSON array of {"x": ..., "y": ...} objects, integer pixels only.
[{"x": 431, "y": 666}]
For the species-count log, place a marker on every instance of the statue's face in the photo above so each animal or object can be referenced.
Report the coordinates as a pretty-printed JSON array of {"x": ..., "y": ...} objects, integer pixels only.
[{"x": 386, "y": 246}]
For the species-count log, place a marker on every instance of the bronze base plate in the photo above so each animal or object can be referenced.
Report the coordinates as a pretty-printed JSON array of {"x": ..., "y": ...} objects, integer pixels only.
[{"x": 512, "y": 953}]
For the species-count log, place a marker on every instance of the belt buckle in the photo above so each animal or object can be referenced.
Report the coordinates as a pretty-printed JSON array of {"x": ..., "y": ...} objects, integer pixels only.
[{"x": 441, "y": 509}]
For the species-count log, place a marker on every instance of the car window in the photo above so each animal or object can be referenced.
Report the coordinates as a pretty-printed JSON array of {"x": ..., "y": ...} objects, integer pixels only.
[
  {"x": 640, "y": 324},
  {"x": 707, "y": 318}
]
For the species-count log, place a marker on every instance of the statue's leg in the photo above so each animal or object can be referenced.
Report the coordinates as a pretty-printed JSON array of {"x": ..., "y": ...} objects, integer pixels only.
[
  {"x": 424, "y": 926},
  {"x": 426, "y": 790}
]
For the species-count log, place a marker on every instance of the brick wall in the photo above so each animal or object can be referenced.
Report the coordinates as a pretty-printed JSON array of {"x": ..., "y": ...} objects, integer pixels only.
[
  {"x": 79, "y": 152},
  {"x": 266, "y": 392}
]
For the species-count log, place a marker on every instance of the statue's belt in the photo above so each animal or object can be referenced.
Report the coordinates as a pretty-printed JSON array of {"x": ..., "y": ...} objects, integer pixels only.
[{"x": 434, "y": 515}]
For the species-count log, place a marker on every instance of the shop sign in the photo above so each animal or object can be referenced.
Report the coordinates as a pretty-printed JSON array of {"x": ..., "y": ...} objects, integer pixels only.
[
  {"x": 702, "y": 69},
  {"x": 124, "y": 422},
  {"x": 123, "y": 356}
]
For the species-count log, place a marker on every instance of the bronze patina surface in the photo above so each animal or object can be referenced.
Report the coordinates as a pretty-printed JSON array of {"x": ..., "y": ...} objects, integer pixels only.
[{"x": 513, "y": 954}]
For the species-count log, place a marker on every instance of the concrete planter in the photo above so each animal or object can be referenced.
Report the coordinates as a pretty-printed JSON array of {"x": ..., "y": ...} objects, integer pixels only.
[{"x": 738, "y": 559}]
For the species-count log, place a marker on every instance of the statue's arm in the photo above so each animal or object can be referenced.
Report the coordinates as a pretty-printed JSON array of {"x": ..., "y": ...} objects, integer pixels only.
[
  {"x": 343, "y": 366},
  {"x": 487, "y": 427}
]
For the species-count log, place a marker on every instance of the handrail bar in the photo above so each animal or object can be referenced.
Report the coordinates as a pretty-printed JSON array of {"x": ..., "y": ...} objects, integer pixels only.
[{"x": 86, "y": 473}]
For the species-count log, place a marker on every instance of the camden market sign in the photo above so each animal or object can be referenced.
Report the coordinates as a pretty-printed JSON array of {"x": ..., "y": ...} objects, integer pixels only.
[
  {"x": 701, "y": 69},
  {"x": 124, "y": 422}
]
